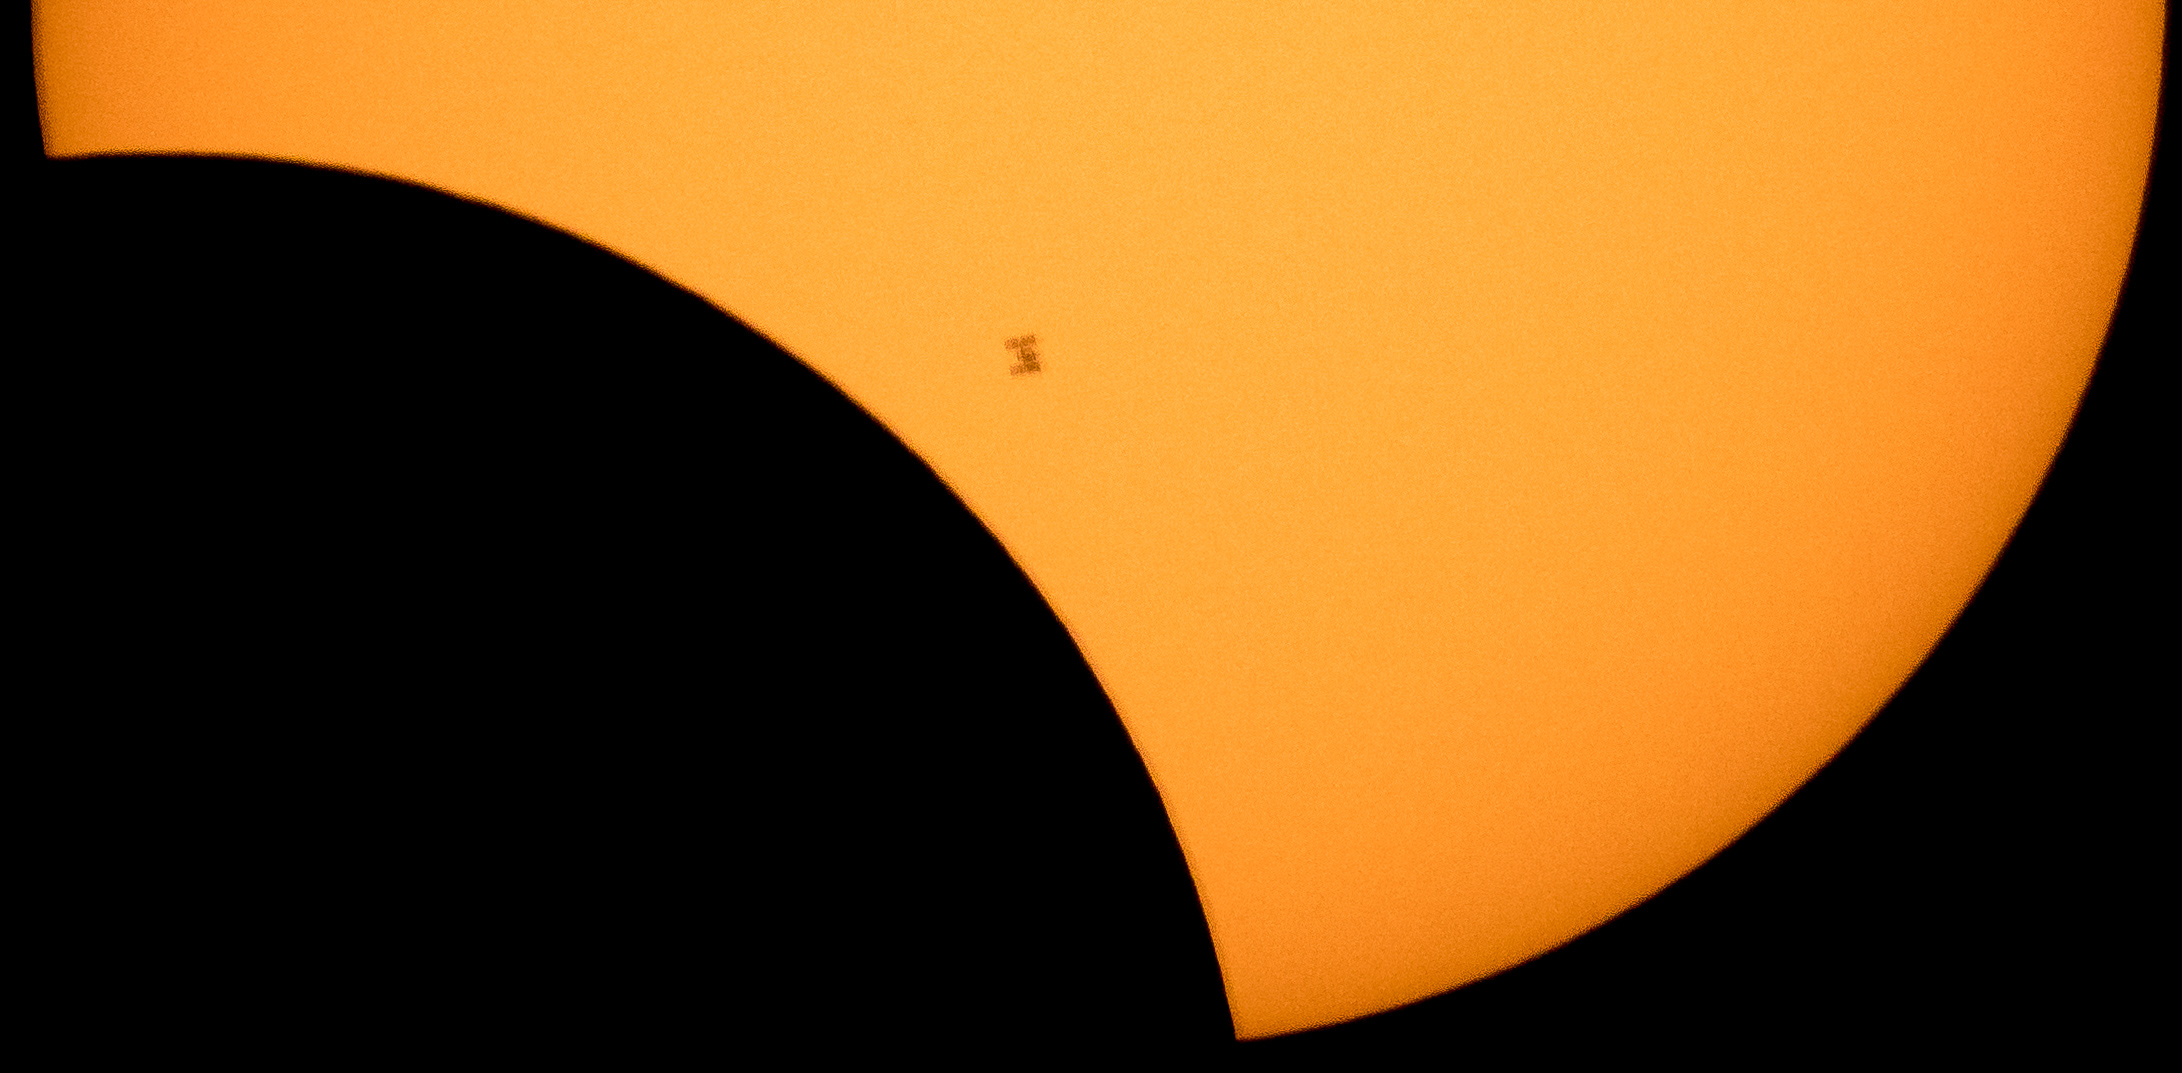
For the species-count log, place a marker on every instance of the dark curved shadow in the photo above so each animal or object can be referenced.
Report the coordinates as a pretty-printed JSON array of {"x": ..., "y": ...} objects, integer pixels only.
[{"x": 468, "y": 634}]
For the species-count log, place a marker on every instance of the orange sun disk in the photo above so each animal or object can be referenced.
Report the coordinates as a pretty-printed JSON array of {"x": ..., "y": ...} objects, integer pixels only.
[{"x": 1491, "y": 454}]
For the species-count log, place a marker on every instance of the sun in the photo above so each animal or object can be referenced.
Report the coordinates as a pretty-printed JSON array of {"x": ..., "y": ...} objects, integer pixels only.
[{"x": 1491, "y": 454}]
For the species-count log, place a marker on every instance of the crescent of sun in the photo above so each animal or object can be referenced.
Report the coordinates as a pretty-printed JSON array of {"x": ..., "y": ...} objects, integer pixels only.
[{"x": 1491, "y": 454}]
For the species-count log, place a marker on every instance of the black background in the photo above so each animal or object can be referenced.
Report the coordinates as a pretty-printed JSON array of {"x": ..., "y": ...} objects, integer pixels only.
[{"x": 1976, "y": 872}]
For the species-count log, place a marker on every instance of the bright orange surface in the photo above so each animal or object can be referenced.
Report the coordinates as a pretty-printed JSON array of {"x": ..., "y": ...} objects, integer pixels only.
[{"x": 1491, "y": 453}]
